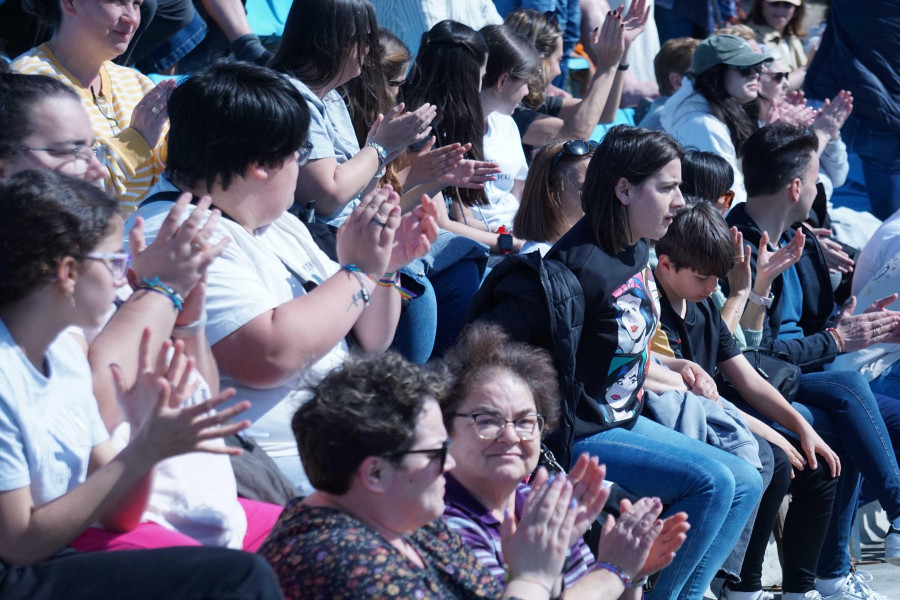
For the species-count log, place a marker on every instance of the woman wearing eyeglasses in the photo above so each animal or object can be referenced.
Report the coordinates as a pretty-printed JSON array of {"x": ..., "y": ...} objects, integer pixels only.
[
  {"x": 127, "y": 112},
  {"x": 708, "y": 111},
  {"x": 551, "y": 199},
  {"x": 60, "y": 263},
  {"x": 778, "y": 24},
  {"x": 374, "y": 446},
  {"x": 503, "y": 397},
  {"x": 44, "y": 126}
]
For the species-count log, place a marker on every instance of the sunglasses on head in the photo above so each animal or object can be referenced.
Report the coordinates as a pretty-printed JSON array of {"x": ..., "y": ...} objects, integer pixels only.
[
  {"x": 574, "y": 148},
  {"x": 750, "y": 71}
]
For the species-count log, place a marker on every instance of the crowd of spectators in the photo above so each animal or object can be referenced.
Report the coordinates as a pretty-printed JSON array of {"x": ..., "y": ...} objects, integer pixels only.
[{"x": 594, "y": 305}]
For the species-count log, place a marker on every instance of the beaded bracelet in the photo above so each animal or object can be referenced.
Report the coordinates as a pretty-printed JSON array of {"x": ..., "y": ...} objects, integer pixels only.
[
  {"x": 161, "y": 288},
  {"x": 618, "y": 572},
  {"x": 357, "y": 272},
  {"x": 839, "y": 341}
]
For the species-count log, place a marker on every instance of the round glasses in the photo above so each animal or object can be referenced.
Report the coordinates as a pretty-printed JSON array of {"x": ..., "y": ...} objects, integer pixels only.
[
  {"x": 116, "y": 262},
  {"x": 574, "y": 148},
  {"x": 81, "y": 154},
  {"x": 491, "y": 427}
]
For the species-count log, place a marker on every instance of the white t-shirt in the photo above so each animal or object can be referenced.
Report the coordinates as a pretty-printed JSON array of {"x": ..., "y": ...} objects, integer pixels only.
[
  {"x": 48, "y": 424},
  {"x": 249, "y": 279},
  {"x": 880, "y": 248},
  {"x": 502, "y": 145}
]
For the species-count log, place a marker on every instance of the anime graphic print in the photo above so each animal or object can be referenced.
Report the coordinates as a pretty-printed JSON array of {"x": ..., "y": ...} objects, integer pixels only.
[{"x": 637, "y": 314}]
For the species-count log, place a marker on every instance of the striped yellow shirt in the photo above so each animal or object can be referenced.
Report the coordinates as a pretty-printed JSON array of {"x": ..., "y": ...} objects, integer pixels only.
[{"x": 133, "y": 166}]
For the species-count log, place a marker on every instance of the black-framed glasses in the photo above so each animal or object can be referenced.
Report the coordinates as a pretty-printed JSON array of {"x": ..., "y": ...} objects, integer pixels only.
[
  {"x": 491, "y": 427},
  {"x": 779, "y": 77},
  {"x": 303, "y": 153},
  {"x": 750, "y": 71},
  {"x": 574, "y": 148},
  {"x": 108, "y": 113},
  {"x": 432, "y": 453},
  {"x": 116, "y": 262},
  {"x": 80, "y": 152}
]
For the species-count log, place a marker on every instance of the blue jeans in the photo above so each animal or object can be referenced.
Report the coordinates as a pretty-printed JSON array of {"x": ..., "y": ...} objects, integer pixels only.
[
  {"x": 717, "y": 490},
  {"x": 454, "y": 288},
  {"x": 844, "y": 412},
  {"x": 879, "y": 151},
  {"x": 414, "y": 338}
]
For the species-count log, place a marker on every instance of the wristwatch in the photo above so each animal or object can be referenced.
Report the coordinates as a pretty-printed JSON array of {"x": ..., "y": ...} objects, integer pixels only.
[
  {"x": 760, "y": 300},
  {"x": 382, "y": 158}
]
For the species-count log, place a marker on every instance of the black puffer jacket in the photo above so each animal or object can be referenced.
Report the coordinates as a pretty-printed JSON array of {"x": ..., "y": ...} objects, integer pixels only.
[{"x": 540, "y": 302}]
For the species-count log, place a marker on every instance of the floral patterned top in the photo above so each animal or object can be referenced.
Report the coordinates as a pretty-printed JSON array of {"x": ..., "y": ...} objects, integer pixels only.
[{"x": 319, "y": 552}]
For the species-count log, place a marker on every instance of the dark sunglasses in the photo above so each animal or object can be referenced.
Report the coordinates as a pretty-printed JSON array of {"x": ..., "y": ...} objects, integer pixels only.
[
  {"x": 750, "y": 71},
  {"x": 727, "y": 198},
  {"x": 574, "y": 148},
  {"x": 778, "y": 77},
  {"x": 438, "y": 453}
]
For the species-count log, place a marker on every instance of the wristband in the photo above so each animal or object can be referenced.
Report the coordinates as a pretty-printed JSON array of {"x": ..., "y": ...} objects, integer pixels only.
[
  {"x": 760, "y": 300},
  {"x": 191, "y": 329},
  {"x": 161, "y": 288},
  {"x": 382, "y": 157}
]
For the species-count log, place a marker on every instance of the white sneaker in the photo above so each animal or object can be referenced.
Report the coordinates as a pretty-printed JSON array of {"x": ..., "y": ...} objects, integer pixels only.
[
  {"x": 892, "y": 546},
  {"x": 769, "y": 596},
  {"x": 810, "y": 595},
  {"x": 855, "y": 587}
]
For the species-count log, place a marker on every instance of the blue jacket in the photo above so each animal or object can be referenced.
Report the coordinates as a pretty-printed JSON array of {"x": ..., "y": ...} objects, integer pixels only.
[{"x": 860, "y": 52}]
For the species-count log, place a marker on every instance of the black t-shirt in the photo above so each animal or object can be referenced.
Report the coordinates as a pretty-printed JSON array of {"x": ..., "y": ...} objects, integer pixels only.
[
  {"x": 620, "y": 318},
  {"x": 701, "y": 336}
]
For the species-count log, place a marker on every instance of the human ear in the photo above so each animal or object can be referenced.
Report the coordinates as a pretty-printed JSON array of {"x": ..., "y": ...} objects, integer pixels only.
[
  {"x": 504, "y": 77},
  {"x": 371, "y": 474},
  {"x": 623, "y": 191},
  {"x": 675, "y": 80},
  {"x": 795, "y": 188},
  {"x": 68, "y": 6},
  {"x": 66, "y": 275},
  {"x": 258, "y": 171}
]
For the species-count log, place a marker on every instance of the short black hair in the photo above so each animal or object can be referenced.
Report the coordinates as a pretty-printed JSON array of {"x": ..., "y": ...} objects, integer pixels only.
[
  {"x": 705, "y": 175},
  {"x": 18, "y": 96},
  {"x": 776, "y": 155},
  {"x": 698, "y": 239},
  {"x": 634, "y": 153},
  {"x": 229, "y": 117},
  {"x": 369, "y": 406},
  {"x": 319, "y": 35},
  {"x": 47, "y": 216}
]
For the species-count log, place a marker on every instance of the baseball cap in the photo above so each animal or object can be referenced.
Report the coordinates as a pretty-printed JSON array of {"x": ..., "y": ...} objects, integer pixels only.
[
  {"x": 794, "y": 2},
  {"x": 725, "y": 49}
]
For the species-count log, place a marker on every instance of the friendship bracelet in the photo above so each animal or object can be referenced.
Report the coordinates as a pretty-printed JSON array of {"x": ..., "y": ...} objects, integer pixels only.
[
  {"x": 837, "y": 338},
  {"x": 393, "y": 280},
  {"x": 616, "y": 571},
  {"x": 356, "y": 272},
  {"x": 161, "y": 288}
]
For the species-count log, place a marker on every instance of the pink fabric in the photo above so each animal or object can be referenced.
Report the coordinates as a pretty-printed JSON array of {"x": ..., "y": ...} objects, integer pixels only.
[
  {"x": 146, "y": 536},
  {"x": 261, "y": 517}
]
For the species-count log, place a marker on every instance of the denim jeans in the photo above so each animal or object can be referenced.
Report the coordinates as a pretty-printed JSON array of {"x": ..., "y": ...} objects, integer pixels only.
[
  {"x": 454, "y": 288},
  {"x": 717, "y": 490},
  {"x": 414, "y": 338},
  {"x": 879, "y": 151},
  {"x": 842, "y": 409},
  {"x": 889, "y": 407}
]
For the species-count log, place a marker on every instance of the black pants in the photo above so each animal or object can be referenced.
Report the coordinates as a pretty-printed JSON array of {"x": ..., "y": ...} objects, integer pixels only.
[
  {"x": 193, "y": 573},
  {"x": 812, "y": 495}
]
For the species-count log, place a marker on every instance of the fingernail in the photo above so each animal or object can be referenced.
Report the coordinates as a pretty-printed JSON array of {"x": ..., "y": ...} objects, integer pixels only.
[{"x": 572, "y": 503}]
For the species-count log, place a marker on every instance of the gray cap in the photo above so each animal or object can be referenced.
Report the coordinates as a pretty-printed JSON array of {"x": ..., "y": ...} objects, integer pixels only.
[{"x": 725, "y": 49}]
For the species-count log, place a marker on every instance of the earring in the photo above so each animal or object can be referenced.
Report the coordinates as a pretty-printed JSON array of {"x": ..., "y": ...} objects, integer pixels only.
[{"x": 71, "y": 298}]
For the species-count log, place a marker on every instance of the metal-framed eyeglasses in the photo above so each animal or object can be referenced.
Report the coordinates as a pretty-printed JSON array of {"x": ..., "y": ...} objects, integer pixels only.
[
  {"x": 81, "y": 154},
  {"x": 490, "y": 426}
]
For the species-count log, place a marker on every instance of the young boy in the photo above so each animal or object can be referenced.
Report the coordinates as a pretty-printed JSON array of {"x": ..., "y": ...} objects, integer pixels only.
[{"x": 695, "y": 252}]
